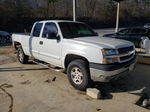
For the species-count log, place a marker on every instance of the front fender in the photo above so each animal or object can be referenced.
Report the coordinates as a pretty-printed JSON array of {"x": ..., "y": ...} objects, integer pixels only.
[{"x": 92, "y": 54}]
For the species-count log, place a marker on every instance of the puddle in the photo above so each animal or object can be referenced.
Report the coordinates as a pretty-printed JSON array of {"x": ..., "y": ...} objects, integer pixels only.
[
  {"x": 22, "y": 75},
  {"x": 8, "y": 86},
  {"x": 54, "y": 79},
  {"x": 81, "y": 92},
  {"x": 50, "y": 80},
  {"x": 98, "y": 109},
  {"x": 26, "y": 82},
  {"x": 89, "y": 99}
]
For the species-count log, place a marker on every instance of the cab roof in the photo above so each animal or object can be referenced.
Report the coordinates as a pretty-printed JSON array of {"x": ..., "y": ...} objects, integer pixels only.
[{"x": 56, "y": 21}]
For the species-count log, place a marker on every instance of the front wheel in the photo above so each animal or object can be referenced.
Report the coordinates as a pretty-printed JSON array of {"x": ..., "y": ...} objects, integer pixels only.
[
  {"x": 22, "y": 58},
  {"x": 79, "y": 75}
]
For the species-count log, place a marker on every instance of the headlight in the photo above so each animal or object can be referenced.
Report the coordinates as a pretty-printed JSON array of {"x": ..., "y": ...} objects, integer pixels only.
[
  {"x": 109, "y": 52},
  {"x": 109, "y": 60}
]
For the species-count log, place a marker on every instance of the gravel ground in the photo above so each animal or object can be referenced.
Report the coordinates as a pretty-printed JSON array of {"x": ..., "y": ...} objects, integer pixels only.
[{"x": 7, "y": 55}]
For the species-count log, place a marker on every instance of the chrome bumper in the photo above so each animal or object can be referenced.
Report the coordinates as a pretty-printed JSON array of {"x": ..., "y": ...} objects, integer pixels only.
[{"x": 107, "y": 76}]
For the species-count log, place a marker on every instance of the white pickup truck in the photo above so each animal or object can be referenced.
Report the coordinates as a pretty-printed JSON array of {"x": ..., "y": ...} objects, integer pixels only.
[{"x": 75, "y": 47}]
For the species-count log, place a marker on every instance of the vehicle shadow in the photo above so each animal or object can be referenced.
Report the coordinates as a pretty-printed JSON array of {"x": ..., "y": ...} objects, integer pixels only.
[
  {"x": 13, "y": 69},
  {"x": 132, "y": 83}
]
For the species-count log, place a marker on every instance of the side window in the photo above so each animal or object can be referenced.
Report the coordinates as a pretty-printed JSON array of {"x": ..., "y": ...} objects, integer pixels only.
[
  {"x": 37, "y": 29},
  {"x": 123, "y": 32},
  {"x": 49, "y": 28},
  {"x": 143, "y": 31},
  {"x": 135, "y": 31}
]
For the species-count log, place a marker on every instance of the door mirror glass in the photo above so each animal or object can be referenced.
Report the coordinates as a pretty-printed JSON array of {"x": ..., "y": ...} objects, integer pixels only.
[{"x": 53, "y": 36}]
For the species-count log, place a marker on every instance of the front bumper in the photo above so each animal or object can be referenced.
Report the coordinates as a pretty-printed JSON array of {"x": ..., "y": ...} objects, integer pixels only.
[{"x": 109, "y": 72}]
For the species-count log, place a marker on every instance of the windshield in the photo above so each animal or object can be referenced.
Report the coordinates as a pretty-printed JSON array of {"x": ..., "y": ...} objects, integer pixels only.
[{"x": 74, "y": 30}]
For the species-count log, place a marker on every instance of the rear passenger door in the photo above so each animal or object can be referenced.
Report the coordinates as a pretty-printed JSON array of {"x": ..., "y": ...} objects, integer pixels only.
[{"x": 34, "y": 40}]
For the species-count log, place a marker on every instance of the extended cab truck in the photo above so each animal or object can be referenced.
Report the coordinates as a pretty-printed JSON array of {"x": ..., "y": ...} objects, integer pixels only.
[{"x": 75, "y": 47}]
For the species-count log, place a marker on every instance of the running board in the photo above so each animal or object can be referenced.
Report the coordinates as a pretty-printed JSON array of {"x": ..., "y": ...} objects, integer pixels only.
[{"x": 57, "y": 69}]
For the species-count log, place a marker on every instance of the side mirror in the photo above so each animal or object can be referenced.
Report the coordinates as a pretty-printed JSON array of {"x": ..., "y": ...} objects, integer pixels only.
[
  {"x": 53, "y": 36},
  {"x": 96, "y": 34}
]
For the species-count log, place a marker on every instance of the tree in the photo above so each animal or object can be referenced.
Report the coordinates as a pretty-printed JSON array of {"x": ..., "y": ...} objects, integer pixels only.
[
  {"x": 86, "y": 8},
  {"x": 53, "y": 8},
  {"x": 23, "y": 8}
]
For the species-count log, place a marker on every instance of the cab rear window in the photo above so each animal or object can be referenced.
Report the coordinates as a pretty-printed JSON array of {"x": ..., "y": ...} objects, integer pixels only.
[{"x": 37, "y": 29}]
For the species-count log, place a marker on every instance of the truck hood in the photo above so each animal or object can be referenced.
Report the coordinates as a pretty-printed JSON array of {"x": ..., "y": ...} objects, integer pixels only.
[{"x": 105, "y": 42}]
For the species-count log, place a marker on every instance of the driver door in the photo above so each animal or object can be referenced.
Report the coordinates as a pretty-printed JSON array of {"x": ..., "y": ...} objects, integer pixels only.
[{"x": 50, "y": 48}]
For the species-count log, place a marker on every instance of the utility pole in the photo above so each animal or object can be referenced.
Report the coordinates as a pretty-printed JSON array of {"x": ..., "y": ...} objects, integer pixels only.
[
  {"x": 118, "y": 13},
  {"x": 74, "y": 10},
  {"x": 117, "y": 18}
]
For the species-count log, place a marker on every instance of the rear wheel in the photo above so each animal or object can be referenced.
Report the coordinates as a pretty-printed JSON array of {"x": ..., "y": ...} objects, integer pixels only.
[
  {"x": 22, "y": 58},
  {"x": 79, "y": 75}
]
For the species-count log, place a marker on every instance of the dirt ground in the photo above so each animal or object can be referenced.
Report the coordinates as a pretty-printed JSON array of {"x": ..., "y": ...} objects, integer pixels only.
[
  {"x": 33, "y": 88},
  {"x": 7, "y": 55}
]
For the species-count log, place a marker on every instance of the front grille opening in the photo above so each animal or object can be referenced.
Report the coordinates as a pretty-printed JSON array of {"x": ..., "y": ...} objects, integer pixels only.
[
  {"x": 126, "y": 57},
  {"x": 125, "y": 50}
]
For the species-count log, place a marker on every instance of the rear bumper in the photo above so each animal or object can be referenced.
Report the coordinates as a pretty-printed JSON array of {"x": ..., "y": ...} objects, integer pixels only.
[{"x": 107, "y": 73}]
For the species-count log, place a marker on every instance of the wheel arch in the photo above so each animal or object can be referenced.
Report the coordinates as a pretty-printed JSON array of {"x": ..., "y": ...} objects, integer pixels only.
[
  {"x": 70, "y": 57},
  {"x": 16, "y": 44}
]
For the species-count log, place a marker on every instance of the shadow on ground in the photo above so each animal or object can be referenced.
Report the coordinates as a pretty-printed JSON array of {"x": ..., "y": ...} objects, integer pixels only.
[
  {"x": 137, "y": 80},
  {"x": 11, "y": 69}
]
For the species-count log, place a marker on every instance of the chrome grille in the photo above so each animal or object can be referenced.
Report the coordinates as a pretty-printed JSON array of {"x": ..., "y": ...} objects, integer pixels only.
[
  {"x": 125, "y": 57},
  {"x": 125, "y": 50}
]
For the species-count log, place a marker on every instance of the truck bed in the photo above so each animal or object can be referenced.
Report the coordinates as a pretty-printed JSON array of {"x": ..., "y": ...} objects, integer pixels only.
[
  {"x": 27, "y": 34},
  {"x": 23, "y": 39}
]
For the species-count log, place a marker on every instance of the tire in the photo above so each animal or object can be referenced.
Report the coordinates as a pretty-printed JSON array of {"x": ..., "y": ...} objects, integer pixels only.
[
  {"x": 3, "y": 41},
  {"x": 22, "y": 58},
  {"x": 79, "y": 75}
]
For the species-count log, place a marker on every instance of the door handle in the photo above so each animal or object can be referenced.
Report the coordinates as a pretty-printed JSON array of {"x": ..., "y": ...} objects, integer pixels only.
[{"x": 41, "y": 42}]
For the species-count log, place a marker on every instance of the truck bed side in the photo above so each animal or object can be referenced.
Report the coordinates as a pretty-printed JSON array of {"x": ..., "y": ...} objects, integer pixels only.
[{"x": 23, "y": 40}]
